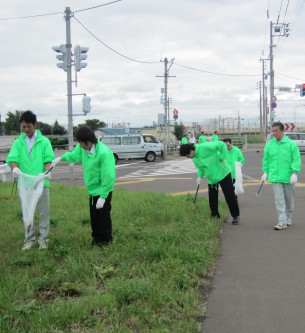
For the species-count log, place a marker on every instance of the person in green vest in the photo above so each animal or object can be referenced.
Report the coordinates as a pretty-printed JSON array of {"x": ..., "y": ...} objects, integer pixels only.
[
  {"x": 184, "y": 140},
  {"x": 202, "y": 138},
  {"x": 99, "y": 175},
  {"x": 32, "y": 153},
  {"x": 234, "y": 155},
  {"x": 210, "y": 160},
  {"x": 281, "y": 165},
  {"x": 215, "y": 136}
]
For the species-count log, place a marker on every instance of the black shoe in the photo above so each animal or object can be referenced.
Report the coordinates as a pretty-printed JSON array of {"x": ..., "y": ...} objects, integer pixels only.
[
  {"x": 217, "y": 216},
  {"x": 235, "y": 220}
]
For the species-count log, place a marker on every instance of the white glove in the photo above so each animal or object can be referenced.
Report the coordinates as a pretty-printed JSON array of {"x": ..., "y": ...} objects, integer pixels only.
[
  {"x": 239, "y": 164},
  {"x": 16, "y": 172},
  {"x": 264, "y": 177},
  {"x": 100, "y": 203},
  {"x": 198, "y": 181},
  {"x": 48, "y": 175},
  {"x": 55, "y": 162},
  {"x": 293, "y": 178}
]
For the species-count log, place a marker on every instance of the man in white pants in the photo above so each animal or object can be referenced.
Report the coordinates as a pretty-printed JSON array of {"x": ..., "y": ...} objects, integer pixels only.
[{"x": 281, "y": 165}]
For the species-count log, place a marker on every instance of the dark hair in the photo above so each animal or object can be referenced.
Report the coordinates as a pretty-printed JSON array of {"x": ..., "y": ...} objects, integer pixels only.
[
  {"x": 279, "y": 124},
  {"x": 29, "y": 117},
  {"x": 227, "y": 140},
  {"x": 215, "y": 132},
  {"x": 85, "y": 134},
  {"x": 186, "y": 149}
]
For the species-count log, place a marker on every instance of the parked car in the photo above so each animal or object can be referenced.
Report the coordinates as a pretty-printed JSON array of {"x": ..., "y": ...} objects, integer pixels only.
[
  {"x": 299, "y": 138},
  {"x": 131, "y": 146}
]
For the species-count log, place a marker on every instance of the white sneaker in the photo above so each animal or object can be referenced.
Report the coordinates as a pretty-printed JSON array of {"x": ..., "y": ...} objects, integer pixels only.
[
  {"x": 289, "y": 222},
  {"x": 280, "y": 227},
  {"x": 27, "y": 245},
  {"x": 43, "y": 246}
]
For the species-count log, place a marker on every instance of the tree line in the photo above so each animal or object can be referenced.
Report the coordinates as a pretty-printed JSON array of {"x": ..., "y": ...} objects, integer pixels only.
[{"x": 11, "y": 125}]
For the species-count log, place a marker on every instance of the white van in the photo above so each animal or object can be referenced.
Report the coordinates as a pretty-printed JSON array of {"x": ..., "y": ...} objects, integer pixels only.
[{"x": 133, "y": 146}]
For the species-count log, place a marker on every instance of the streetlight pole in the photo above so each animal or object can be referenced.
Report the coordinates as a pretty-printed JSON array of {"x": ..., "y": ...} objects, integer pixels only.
[{"x": 294, "y": 120}]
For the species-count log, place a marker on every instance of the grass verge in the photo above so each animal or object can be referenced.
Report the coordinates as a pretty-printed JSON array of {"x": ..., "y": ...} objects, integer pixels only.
[{"x": 150, "y": 279}]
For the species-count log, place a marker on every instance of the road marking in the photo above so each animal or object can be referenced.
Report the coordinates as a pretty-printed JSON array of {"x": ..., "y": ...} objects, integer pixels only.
[{"x": 143, "y": 180}]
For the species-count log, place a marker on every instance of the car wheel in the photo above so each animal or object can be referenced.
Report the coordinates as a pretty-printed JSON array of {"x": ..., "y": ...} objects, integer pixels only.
[{"x": 150, "y": 157}]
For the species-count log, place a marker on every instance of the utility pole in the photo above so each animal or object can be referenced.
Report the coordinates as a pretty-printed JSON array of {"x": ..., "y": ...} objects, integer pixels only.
[
  {"x": 264, "y": 111},
  {"x": 238, "y": 122},
  {"x": 166, "y": 76},
  {"x": 68, "y": 15},
  {"x": 276, "y": 29},
  {"x": 260, "y": 107}
]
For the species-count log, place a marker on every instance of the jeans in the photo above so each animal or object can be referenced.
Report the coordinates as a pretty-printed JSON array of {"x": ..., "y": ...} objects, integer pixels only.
[
  {"x": 284, "y": 201},
  {"x": 43, "y": 208}
]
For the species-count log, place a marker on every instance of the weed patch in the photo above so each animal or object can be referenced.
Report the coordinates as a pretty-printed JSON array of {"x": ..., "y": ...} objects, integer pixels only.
[{"x": 152, "y": 278}]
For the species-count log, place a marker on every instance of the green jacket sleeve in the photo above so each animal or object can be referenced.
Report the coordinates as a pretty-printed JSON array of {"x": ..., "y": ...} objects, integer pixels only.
[
  {"x": 296, "y": 159},
  {"x": 108, "y": 174},
  {"x": 241, "y": 157},
  {"x": 265, "y": 162},
  {"x": 13, "y": 155},
  {"x": 73, "y": 156},
  {"x": 222, "y": 150}
]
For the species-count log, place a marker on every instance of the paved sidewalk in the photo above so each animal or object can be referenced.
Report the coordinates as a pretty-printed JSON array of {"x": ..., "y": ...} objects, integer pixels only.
[{"x": 259, "y": 285}]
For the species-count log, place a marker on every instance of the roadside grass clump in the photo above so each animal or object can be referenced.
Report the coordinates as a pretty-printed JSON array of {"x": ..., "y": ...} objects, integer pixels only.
[
  {"x": 255, "y": 139},
  {"x": 152, "y": 278}
]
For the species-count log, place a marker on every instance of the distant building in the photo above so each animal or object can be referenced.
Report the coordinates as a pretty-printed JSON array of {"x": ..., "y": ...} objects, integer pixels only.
[{"x": 161, "y": 119}]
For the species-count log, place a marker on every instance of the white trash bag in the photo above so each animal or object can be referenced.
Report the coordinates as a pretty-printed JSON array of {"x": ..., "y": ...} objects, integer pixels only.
[
  {"x": 238, "y": 179},
  {"x": 30, "y": 190}
]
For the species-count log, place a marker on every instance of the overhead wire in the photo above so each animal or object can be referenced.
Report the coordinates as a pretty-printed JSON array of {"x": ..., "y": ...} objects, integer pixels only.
[
  {"x": 113, "y": 50},
  {"x": 154, "y": 62},
  {"x": 214, "y": 73},
  {"x": 56, "y": 13},
  {"x": 135, "y": 60},
  {"x": 29, "y": 16},
  {"x": 89, "y": 8},
  {"x": 291, "y": 77}
]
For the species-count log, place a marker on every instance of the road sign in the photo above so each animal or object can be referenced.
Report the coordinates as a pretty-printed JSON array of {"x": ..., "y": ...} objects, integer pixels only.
[
  {"x": 175, "y": 116},
  {"x": 175, "y": 111},
  {"x": 285, "y": 89},
  {"x": 289, "y": 126},
  {"x": 273, "y": 105},
  {"x": 273, "y": 98}
]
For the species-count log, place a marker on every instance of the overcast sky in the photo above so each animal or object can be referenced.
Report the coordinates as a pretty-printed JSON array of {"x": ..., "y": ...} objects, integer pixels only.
[{"x": 225, "y": 36}]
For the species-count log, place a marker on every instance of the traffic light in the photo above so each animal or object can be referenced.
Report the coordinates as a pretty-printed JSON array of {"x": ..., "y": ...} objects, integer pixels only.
[
  {"x": 79, "y": 55},
  {"x": 63, "y": 56},
  {"x": 302, "y": 90},
  {"x": 86, "y": 104}
]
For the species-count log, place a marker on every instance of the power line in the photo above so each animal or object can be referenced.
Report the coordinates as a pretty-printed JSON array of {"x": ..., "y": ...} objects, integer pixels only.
[
  {"x": 292, "y": 77},
  {"x": 105, "y": 4},
  {"x": 111, "y": 49},
  {"x": 55, "y": 13},
  {"x": 154, "y": 62},
  {"x": 30, "y": 16},
  {"x": 214, "y": 73}
]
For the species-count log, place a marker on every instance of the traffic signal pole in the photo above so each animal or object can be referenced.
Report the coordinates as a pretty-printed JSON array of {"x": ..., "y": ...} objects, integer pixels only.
[
  {"x": 65, "y": 55},
  {"x": 68, "y": 15}
]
